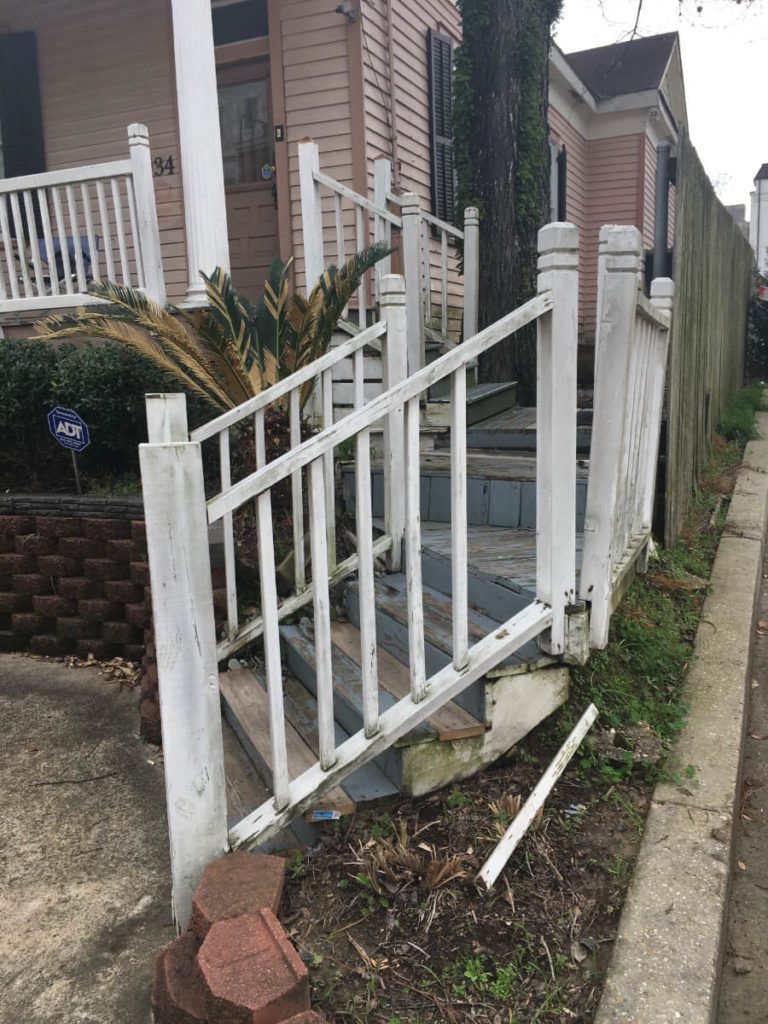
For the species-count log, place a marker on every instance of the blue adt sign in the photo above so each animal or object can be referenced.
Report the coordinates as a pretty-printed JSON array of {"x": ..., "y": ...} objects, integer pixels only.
[{"x": 68, "y": 429}]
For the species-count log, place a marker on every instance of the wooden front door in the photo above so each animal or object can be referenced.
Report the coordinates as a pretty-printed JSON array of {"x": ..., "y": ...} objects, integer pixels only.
[{"x": 247, "y": 137}]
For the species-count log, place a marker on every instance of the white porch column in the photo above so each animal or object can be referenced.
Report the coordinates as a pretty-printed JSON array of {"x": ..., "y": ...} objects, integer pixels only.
[{"x": 202, "y": 167}]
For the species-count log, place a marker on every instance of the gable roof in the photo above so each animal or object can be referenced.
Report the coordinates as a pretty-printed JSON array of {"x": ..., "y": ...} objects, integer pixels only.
[
  {"x": 762, "y": 174},
  {"x": 634, "y": 66}
]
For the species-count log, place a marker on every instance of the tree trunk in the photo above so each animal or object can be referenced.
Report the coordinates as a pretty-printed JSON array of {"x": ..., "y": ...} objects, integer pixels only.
[{"x": 503, "y": 162}]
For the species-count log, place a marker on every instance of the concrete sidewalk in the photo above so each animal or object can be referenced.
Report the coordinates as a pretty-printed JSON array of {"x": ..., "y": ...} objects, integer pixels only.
[{"x": 84, "y": 876}]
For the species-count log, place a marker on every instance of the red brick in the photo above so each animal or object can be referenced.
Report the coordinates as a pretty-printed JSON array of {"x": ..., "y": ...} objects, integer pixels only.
[
  {"x": 100, "y": 649},
  {"x": 82, "y": 547},
  {"x": 98, "y": 609},
  {"x": 51, "y": 646},
  {"x": 133, "y": 652},
  {"x": 15, "y": 563},
  {"x": 239, "y": 883},
  {"x": 150, "y": 672},
  {"x": 11, "y": 525},
  {"x": 10, "y": 602},
  {"x": 104, "y": 569},
  {"x": 59, "y": 565},
  {"x": 76, "y": 628},
  {"x": 122, "y": 591},
  {"x": 139, "y": 573},
  {"x": 27, "y": 623},
  {"x": 34, "y": 544},
  {"x": 58, "y": 526},
  {"x": 138, "y": 531},
  {"x": 32, "y": 583},
  {"x": 76, "y": 587},
  {"x": 178, "y": 996},
  {"x": 7, "y": 544},
  {"x": 149, "y": 721},
  {"x": 53, "y": 605},
  {"x": 10, "y": 641},
  {"x": 251, "y": 972},
  {"x": 137, "y": 615},
  {"x": 106, "y": 529},
  {"x": 120, "y": 633},
  {"x": 125, "y": 550},
  {"x": 148, "y": 597}
]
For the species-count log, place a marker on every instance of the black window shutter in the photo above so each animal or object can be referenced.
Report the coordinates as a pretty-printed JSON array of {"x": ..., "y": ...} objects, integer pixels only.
[
  {"x": 440, "y": 62},
  {"x": 21, "y": 119},
  {"x": 562, "y": 184}
]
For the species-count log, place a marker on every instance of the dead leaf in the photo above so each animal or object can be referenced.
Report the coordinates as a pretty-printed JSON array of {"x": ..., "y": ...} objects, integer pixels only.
[
  {"x": 754, "y": 736},
  {"x": 440, "y": 872},
  {"x": 581, "y": 949},
  {"x": 742, "y": 865}
]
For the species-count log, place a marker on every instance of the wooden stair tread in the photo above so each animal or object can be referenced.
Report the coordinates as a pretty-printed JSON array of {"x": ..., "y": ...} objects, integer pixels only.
[
  {"x": 491, "y": 465},
  {"x": 248, "y": 700},
  {"x": 450, "y": 722}
]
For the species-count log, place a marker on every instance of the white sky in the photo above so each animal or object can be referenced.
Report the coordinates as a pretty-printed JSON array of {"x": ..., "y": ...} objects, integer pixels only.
[{"x": 725, "y": 64}]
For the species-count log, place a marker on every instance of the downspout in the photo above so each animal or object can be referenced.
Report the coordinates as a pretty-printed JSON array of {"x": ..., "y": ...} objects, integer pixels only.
[
  {"x": 392, "y": 97},
  {"x": 661, "y": 228}
]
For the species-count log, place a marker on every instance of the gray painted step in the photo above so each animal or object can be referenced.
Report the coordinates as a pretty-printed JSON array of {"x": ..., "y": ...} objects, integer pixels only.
[
  {"x": 491, "y": 594},
  {"x": 501, "y": 489},
  {"x": 392, "y": 632},
  {"x": 483, "y": 401},
  {"x": 515, "y": 430}
]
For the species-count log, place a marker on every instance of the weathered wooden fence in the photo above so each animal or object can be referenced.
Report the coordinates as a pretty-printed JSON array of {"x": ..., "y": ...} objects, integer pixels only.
[{"x": 712, "y": 271}]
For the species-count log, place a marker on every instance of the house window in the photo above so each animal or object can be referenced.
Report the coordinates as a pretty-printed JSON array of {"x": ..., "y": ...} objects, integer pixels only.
[
  {"x": 21, "y": 119},
  {"x": 235, "y": 20},
  {"x": 246, "y": 123},
  {"x": 440, "y": 64},
  {"x": 558, "y": 181}
]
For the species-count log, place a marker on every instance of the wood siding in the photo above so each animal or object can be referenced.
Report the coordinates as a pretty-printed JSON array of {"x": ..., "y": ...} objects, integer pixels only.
[{"x": 102, "y": 67}]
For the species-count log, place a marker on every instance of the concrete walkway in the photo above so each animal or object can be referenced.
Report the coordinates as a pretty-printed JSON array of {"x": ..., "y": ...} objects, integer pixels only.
[
  {"x": 84, "y": 877},
  {"x": 744, "y": 986}
]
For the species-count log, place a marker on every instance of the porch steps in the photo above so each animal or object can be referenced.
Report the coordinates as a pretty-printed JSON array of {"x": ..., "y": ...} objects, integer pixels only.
[
  {"x": 514, "y": 429},
  {"x": 483, "y": 402},
  {"x": 501, "y": 488}
]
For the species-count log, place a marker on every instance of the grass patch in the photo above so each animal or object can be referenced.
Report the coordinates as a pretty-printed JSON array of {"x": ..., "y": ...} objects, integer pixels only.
[
  {"x": 639, "y": 677},
  {"x": 738, "y": 421}
]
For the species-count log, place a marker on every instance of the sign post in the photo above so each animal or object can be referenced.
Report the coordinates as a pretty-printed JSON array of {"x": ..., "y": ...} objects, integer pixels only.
[{"x": 71, "y": 432}]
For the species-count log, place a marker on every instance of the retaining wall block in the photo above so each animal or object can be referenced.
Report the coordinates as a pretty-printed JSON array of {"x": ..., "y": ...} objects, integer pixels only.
[
  {"x": 238, "y": 883},
  {"x": 178, "y": 996}
]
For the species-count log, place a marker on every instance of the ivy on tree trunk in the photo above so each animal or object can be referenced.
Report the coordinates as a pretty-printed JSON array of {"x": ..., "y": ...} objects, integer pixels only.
[{"x": 502, "y": 161}]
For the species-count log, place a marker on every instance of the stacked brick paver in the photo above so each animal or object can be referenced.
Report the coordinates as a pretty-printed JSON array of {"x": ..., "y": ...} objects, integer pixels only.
[{"x": 235, "y": 965}]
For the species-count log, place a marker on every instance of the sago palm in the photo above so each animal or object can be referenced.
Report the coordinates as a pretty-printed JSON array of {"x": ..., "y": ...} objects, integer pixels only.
[{"x": 230, "y": 350}]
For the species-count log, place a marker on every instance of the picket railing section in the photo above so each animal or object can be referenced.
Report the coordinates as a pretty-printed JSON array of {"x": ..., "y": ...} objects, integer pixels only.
[
  {"x": 337, "y": 221},
  {"x": 61, "y": 229},
  {"x": 167, "y": 464},
  {"x": 630, "y": 369}
]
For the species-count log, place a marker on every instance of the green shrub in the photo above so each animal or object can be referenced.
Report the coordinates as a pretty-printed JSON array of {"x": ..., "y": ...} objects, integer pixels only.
[
  {"x": 738, "y": 420},
  {"x": 105, "y": 384}
]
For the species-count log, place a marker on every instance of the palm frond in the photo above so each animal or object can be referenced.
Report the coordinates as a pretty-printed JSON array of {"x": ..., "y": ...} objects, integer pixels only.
[{"x": 235, "y": 315}]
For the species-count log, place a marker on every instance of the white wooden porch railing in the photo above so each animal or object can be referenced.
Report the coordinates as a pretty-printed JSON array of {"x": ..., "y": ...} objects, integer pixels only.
[
  {"x": 60, "y": 229},
  {"x": 337, "y": 221},
  {"x": 178, "y": 517},
  {"x": 630, "y": 368}
]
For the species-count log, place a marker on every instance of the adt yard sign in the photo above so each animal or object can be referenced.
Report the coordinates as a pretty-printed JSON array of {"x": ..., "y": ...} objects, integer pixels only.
[{"x": 68, "y": 429}]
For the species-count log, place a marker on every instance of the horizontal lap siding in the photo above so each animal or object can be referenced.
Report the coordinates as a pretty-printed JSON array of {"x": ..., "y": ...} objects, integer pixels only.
[
  {"x": 317, "y": 101},
  {"x": 103, "y": 66},
  {"x": 615, "y": 196},
  {"x": 576, "y": 189}
]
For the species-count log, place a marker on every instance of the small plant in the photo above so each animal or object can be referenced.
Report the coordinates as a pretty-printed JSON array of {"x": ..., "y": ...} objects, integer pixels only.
[
  {"x": 737, "y": 422},
  {"x": 456, "y": 800}
]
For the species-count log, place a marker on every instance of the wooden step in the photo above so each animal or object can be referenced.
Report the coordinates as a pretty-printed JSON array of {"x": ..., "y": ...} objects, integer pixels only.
[
  {"x": 483, "y": 401},
  {"x": 450, "y": 722},
  {"x": 515, "y": 430},
  {"x": 246, "y": 707}
]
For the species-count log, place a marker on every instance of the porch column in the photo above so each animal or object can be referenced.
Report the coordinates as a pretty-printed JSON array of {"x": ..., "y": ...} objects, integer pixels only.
[{"x": 202, "y": 167}]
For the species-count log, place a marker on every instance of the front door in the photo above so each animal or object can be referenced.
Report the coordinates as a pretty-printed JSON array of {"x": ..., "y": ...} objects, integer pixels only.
[{"x": 247, "y": 137}]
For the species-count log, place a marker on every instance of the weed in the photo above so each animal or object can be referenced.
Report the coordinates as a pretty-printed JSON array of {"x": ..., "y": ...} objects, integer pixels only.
[
  {"x": 737, "y": 422},
  {"x": 620, "y": 871},
  {"x": 295, "y": 866},
  {"x": 456, "y": 800}
]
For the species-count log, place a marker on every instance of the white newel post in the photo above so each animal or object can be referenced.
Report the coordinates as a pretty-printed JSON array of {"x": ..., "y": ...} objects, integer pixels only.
[
  {"x": 619, "y": 266},
  {"x": 382, "y": 187},
  {"x": 556, "y": 427},
  {"x": 311, "y": 213},
  {"x": 185, "y": 644},
  {"x": 411, "y": 213},
  {"x": 166, "y": 418},
  {"x": 148, "y": 242},
  {"x": 662, "y": 297},
  {"x": 395, "y": 368},
  {"x": 471, "y": 270},
  {"x": 202, "y": 167}
]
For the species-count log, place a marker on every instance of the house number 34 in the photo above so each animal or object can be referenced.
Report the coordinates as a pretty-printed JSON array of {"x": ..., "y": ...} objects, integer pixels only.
[{"x": 163, "y": 165}]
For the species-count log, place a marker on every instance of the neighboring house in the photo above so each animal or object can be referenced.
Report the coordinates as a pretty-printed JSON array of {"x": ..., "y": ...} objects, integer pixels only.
[
  {"x": 611, "y": 109},
  {"x": 226, "y": 98},
  {"x": 758, "y": 224}
]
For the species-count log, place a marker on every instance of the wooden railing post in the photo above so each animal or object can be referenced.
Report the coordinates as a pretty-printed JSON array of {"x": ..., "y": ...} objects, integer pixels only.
[
  {"x": 185, "y": 642},
  {"x": 619, "y": 265},
  {"x": 395, "y": 369},
  {"x": 148, "y": 242},
  {"x": 471, "y": 270},
  {"x": 411, "y": 210},
  {"x": 556, "y": 427},
  {"x": 382, "y": 231},
  {"x": 166, "y": 418},
  {"x": 311, "y": 213}
]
